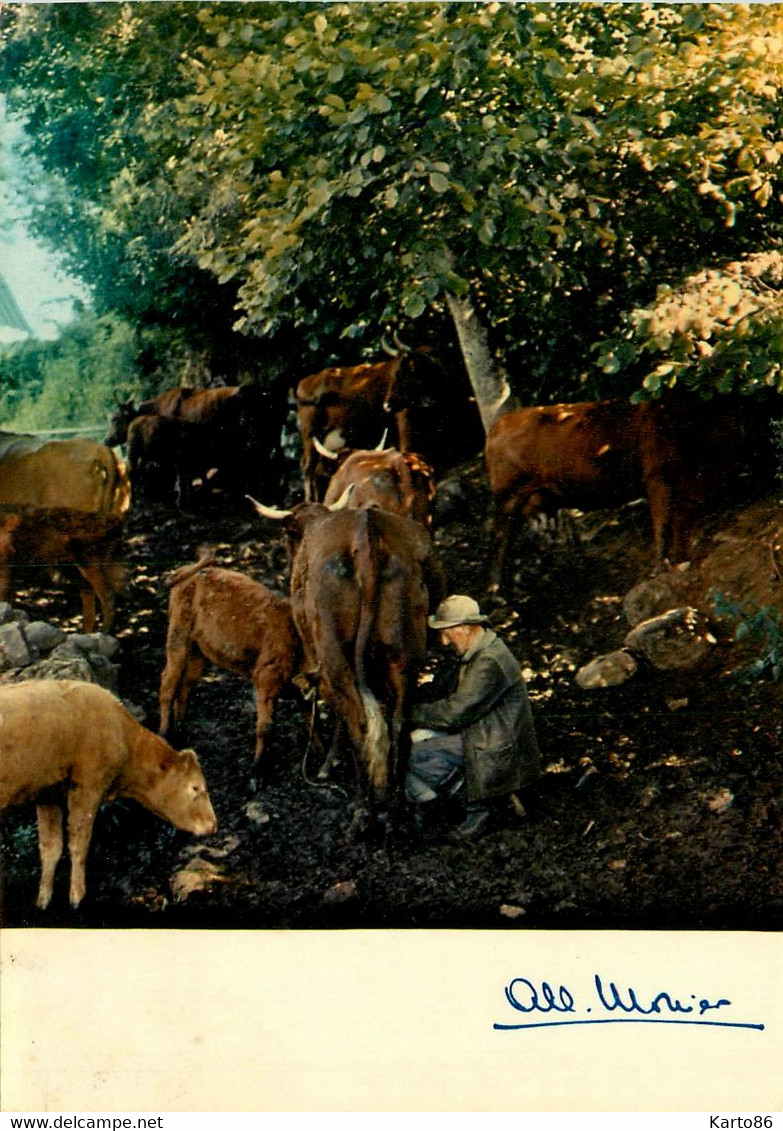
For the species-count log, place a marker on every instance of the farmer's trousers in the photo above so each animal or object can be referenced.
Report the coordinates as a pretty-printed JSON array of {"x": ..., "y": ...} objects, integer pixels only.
[{"x": 434, "y": 762}]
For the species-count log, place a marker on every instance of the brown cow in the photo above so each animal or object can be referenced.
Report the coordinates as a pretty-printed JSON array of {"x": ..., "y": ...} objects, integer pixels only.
[
  {"x": 80, "y": 474},
  {"x": 70, "y": 745},
  {"x": 597, "y": 454},
  {"x": 58, "y": 536},
  {"x": 361, "y": 585},
  {"x": 223, "y": 616},
  {"x": 400, "y": 482}
]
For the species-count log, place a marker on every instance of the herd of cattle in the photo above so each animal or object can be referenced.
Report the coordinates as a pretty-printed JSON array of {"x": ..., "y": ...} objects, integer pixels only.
[{"x": 362, "y": 564}]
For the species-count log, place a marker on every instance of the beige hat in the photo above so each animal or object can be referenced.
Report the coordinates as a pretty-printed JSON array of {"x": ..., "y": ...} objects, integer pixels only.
[{"x": 455, "y": 610}]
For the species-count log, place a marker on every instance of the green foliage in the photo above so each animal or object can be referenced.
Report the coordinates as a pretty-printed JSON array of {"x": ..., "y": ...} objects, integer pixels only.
[
  {"x": 758, "y": 624},
  {"x": 721, "y": 331},
  {"x": 70, "y": 382},
  {"x": 323, "y": 170}
]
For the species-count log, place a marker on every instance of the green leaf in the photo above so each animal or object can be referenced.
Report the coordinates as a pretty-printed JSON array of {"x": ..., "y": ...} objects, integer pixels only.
[
  {"x": 414, "y": 306},
  {"x": 438, "y": 183}
]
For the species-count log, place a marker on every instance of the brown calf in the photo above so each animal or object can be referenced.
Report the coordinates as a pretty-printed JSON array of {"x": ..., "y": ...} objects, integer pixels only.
[
  {"x": 57, "y": 536},
  {"x": 227, "y": 618},
  {"x": 71, "y": 745}
]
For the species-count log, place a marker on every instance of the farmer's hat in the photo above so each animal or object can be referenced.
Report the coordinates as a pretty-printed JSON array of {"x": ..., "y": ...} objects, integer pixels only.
[{"x": 455, "y": 610}]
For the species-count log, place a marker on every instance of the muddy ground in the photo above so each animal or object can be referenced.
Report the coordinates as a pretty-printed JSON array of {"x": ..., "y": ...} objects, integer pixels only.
[{"x": 659, "y": 807}]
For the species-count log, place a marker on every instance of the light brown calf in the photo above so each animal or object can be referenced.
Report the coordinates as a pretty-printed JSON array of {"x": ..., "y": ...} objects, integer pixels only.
[
  {"x": 58, "y": 536},
  {"x": 225, "y": 617},
  {"x": 68, "y": 744}
]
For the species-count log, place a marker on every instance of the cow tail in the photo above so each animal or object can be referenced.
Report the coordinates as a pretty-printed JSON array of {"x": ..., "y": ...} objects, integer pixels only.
[
  {"x": 375, "y": 750},
  {"x": 184, "y": 573}
]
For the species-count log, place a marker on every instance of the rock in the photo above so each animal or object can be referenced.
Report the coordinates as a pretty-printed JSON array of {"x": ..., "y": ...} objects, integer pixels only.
[
  {"x": 341, "y": 892},
  {"x": 200, "y": 875},
  {"x": 53, "y": 667},
  {"x": 94, "y": 642},
  {"x": 610, "y": 670},
  {"x": 67, "y": 662},
  {"x": 215, "y": 851},
  {"x": 719, "y": 801},
  {"x": 650, "y": 598},
  {"x": 254, "y": 812},
  {"x": 677, "y": 640},
  {"x": 43, "y": 637},
  {"x": 8, "y": 613},
  {"x": 14, "y": 652}
]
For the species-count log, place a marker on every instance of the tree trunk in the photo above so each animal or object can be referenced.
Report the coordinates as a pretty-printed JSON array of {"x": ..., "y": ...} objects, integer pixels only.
[{"x": 489, "y": 383}]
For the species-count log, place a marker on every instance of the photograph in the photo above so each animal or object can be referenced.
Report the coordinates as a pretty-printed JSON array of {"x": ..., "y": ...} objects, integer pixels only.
[{"x": 391, "y": 554}]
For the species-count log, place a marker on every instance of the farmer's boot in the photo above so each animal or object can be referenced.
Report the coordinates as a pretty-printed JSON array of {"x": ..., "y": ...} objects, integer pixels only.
[{"x": 478, "y": 821}]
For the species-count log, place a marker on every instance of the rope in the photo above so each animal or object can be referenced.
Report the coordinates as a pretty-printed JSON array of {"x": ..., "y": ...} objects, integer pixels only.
[{"x": 305, "y": 778}]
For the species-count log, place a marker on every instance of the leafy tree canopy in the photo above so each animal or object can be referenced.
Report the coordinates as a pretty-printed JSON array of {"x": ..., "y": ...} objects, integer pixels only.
[{"x": 322, "y": 170}]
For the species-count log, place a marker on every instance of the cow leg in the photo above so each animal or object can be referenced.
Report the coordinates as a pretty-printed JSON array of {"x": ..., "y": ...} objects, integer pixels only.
[
  {"x": 50, "y": 849},
  {"x": 96, "y": 586},
  {"x": 265, "y": 705},
  {"x": 5, "y": 581},
  {"x": 309, "y": 456},
  {"x": 659, "y": 498},
  {"x": 333, "y": 753},
  {"x": 403, "y": 431},
  {"x": 193, "y": 673},
  {"x": 184, "y": 666},
  {"x": 81, "y": 816},
  {"x": 503, "y": 537}
]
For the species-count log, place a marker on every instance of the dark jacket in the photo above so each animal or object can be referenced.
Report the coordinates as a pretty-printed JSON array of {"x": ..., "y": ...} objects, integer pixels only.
[{"x": 490, "y": 707}]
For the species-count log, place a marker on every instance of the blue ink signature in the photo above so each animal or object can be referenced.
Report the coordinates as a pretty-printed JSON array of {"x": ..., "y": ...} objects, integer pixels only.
[{"x": 632, "y": 1008}]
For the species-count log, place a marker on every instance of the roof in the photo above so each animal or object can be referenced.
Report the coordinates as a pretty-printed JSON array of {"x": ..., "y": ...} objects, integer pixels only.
[{"x": 10, "y": 314}]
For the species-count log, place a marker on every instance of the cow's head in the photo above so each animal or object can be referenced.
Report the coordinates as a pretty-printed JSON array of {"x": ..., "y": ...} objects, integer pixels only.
[
  {"x": 298, "y": 518},
  {"x": 120, "y": 422}
]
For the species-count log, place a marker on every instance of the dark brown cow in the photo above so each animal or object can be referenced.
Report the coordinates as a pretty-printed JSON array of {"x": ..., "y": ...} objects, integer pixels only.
[
  {"x": 70, "y": 745},
  {"x": 597, "y": 454},
  {"x": 229, "y": 437},
  {"x": 58, "y": 536},
  {"x": 153, "y": 456},
  {"x": 167, "y": 404},
  {"x": 349, "y": 407},
  {"x": 80, "y": 474},
  {"x": 424, "y": 407},
  {"x": 222, "y": 616},
  {"x": 400, "y": 482},
  {"x": 361, "y": 585}
]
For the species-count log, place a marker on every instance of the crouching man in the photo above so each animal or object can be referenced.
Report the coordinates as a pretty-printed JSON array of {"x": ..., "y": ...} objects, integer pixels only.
[{"x": 481, "y": 736}]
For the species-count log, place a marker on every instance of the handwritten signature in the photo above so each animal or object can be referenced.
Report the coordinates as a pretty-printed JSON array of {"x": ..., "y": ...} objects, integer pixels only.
[{"x": 611, "y": 1005}]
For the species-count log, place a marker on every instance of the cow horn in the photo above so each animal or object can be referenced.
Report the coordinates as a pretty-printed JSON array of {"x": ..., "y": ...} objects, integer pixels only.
[
  {"x": 399, "y": 344},
  {"x": 382, "y": 444},
  {"x": 387, "y": 348},
  {"x": 322, "y": 450},
  {"x": 342, "y": 502},
  {"x": 268, "y": 512}
]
